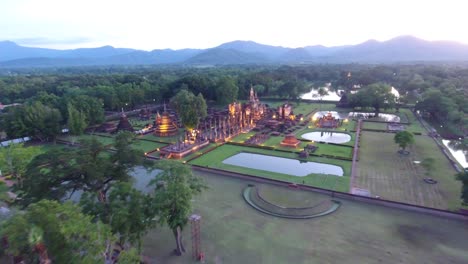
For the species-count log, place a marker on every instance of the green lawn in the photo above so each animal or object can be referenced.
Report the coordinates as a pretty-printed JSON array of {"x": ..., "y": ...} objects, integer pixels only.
[
  {"x": 214, "y": 159},
  {"x": 395, "y": 177},
  {"x": 147, "y": 146},
  {"x": 374, "y": 126},
  {"x": 242, "y": 137},
  {"x": 171, "y": 139},
  {"x": 101, "y": 139},
  {"x": 233, "y": 232}
]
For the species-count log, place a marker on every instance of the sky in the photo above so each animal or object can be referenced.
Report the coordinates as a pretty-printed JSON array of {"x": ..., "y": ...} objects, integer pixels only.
[{"x": 177, "y": 24}]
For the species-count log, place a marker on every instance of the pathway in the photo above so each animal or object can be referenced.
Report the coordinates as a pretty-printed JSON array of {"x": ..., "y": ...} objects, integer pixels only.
[{"x": 352, "y": 186}]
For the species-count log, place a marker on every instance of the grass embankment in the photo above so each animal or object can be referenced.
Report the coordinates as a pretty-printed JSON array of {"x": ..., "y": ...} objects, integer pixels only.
[
  {"x": 215, "y": 158},
  {"x": 396, "y": 177}
]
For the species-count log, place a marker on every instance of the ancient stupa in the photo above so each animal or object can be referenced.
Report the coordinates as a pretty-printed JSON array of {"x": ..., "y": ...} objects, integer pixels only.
[
  {"x": 164, "y": 125},
  {"x": 124, "y": 124}
]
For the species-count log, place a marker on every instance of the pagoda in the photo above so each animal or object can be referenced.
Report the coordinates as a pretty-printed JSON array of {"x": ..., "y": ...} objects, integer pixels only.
[
  {"x": 290, "y": 141},
  {"x": 124, "y": 124},
  {"x": 164, "y": 125}
]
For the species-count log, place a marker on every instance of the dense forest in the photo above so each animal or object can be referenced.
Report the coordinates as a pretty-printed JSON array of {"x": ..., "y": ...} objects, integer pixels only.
[{"x": 50, "y": 95}]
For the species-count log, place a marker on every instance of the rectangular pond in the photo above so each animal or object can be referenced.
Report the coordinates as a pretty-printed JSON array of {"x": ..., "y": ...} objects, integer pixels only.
[{"x": 282, "y": 165}]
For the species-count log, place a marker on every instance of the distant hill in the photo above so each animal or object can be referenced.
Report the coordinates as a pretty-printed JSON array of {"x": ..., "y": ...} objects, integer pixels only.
[
  {"x": 227, "y": 56},
  {"x": 399, "y": 49}
]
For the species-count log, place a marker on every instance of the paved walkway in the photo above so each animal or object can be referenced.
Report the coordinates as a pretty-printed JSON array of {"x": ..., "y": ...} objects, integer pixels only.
[{"x": 355, "y": 157}]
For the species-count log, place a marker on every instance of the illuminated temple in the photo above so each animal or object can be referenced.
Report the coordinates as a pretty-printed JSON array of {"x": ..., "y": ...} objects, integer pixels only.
[
  {"x": 328, "y": 121},
  {"x": 164, "y": 126}
]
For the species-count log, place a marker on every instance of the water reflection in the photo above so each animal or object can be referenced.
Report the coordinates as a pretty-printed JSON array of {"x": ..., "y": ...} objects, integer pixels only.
[
  {"x": 282, "y": 165},
  {"x": 327, "y": 136},
  {"x": 456, "y": 151},
  {"x": 313, "y": 95}
]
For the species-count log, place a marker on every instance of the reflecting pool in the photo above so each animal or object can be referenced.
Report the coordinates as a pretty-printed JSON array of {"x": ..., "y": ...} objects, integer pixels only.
[
  {"x": 382, "y": 117},
  {"x": 325, "y": 136},
  {"x": 282, "y": 165}
]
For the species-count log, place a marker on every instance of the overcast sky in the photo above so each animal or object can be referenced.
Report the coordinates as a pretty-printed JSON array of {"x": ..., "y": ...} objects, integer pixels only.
[{"x": 176, "y": 24}]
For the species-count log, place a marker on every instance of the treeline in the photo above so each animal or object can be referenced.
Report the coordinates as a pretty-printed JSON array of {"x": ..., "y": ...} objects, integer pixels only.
[{"x": 438, "y": 91}]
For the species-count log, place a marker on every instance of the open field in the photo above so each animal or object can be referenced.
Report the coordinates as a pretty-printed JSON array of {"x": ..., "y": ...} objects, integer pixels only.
[
  {"x": 396, "y": 177},
  {"x": 214, "y": 159},
  {"x": 375, "y": 125},
  {"x": 233, "y": 232}
]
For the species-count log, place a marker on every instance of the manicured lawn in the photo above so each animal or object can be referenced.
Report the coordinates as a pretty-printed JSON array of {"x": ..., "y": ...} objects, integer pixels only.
[
  {"x": 215, "y": 158},
  {"x": 233, "y": 232},
  {"x": 395, "y": 177},
  {"x": 242, "y": 137}
]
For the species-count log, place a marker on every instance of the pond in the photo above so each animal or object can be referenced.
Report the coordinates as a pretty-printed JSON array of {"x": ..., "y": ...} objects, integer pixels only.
[
  {"x": 459, "y": 155},
  {"x": 313, "y": 95},
  {"x": 282, "y": 165},
  {"x": 370, "y": 116},
  {"x": 140, "y": 178},
  {"x": 325, "y": 136}
]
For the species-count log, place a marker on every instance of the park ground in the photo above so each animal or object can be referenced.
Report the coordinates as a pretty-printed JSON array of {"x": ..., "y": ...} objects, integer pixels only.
[
  {"x": 234, "y": 232},
  {"x": 380, "y": 169}
]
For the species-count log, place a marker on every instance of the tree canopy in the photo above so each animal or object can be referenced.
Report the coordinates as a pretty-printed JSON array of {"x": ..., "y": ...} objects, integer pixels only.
[
  {"x": 174, "y": 189},
  {"x": 57, "y": 231},
  {"x": 403, "y": 139},
  {"x": 189, "y": 107},
  {"x": 377, "y": 96}
]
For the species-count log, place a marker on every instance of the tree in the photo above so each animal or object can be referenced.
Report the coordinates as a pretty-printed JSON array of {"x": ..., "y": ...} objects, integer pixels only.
[
  {"x": 403, "y": 139},
  {"x": 76, "y": 121},
  {"x": 226, "y": 91},
  {"x": 322, "y": 91},
  {"x": 42, "y": 121},
  {"x": 128, "y": 212},
  {"x": 463, "y": 177},
  {"x": 377, "y": 95},
  {"x": 174, "y": 189},
  {"x": 190, "y": 108},
  {"x": 57, "y": 174},
  {"x": 14, "y": 159},
  {"x": 90, "y": 107},
  {"x": 57, "y": 233}
]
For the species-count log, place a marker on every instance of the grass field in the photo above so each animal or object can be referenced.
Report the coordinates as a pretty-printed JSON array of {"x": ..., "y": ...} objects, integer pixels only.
[
  {"x": 147, "y": 146},
  {"x": 214, "y": 159},
  {"x": 233, "y": 232},
  {"x": 395, "y": 177},
  {"x": 374, "y": 125}
]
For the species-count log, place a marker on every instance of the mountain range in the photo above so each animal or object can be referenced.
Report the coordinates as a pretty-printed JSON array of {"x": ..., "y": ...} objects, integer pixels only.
[{"x": 399, "y": 49}]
